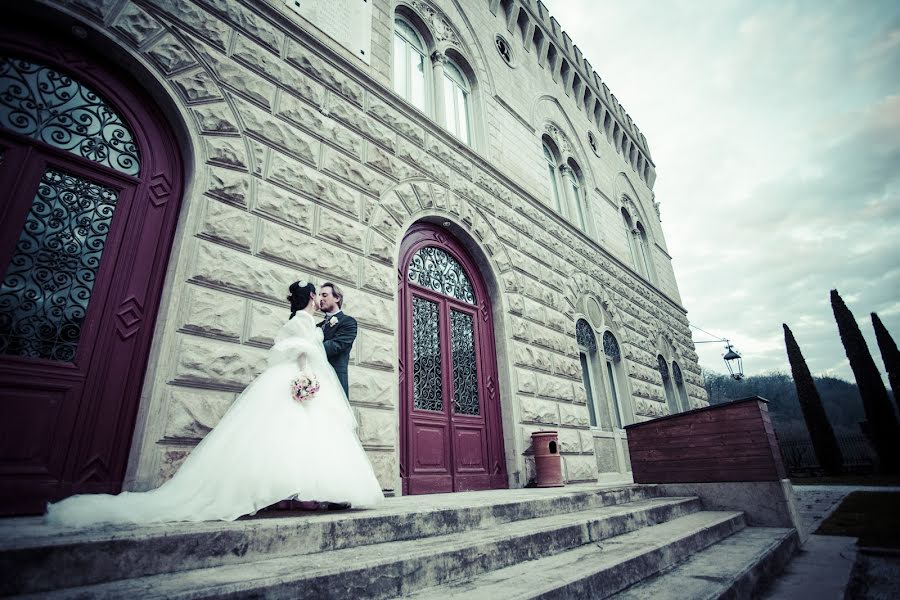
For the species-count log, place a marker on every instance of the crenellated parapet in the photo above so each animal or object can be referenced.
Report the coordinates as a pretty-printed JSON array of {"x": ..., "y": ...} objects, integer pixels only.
[{"x": 541, "y": 35}]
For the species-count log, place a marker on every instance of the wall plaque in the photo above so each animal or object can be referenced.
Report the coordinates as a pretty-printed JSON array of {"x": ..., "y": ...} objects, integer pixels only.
[{"x": 348, "y": 22}]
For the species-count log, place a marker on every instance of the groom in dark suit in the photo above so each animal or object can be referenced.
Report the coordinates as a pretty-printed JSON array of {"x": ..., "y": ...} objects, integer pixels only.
[{"x": 339, "y": 331}]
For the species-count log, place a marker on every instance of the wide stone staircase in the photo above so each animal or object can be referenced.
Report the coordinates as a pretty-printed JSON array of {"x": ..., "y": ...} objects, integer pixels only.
[{"x": 574, "y": 542}]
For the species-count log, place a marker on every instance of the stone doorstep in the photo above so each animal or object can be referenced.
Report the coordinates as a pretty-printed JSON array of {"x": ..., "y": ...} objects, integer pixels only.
[
  {"x": 740, "y": 566},
  {"x": 38, "y": 557},
  {"x": 401, "y": 567},
  {"x": 600, "y": 569}
]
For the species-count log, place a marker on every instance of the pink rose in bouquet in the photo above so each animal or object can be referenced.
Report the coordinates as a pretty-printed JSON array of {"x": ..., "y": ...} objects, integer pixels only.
[{"x": 304, "y": 387}]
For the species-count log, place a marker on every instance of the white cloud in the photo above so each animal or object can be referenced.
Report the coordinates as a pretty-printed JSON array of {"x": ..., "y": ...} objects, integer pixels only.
[{"x": 775, "y": 128}]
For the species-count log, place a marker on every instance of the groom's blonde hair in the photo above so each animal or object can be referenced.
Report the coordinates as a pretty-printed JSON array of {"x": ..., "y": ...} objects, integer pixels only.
[{"x": 337, "y": 292}]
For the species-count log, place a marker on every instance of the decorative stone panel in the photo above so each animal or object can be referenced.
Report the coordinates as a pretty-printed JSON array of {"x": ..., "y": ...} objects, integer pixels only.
[
  {"x": 554, "y": 387},
  {"x": 247, "y": 21},
  {"x": 227, "y": 269},
  {"x": 213, "y": 313},
  {"x": 191, "y": 414},
  {"x": 213, "y": 29},
  {"x": 354, "y": 118},
  {"x": 368, "y": 386},
  {"x": 569, "y": 441},
  {"x": 198, "y": 86},
  {"x": 228, "y": 186},
  {"x": 266, "y": 320},
  {"x": 385, "y": 466},
  {"x": 378, "y": 277},
  {"x": 339, "y": 229},
  {"x": 226, "y": 224},
  {"x": 275, "y": 203},
  {"x": 535, "y": 410},
  {"x": 580, "y": 468},
  {"x": 307, "y": 182},
  {"x": 368, "y": 180},
  {"x": 215, "y": 118},
  {"x": 527, "y": 381},
  {"x": 423, "y": 160},
  {"x": 295, "y": 248},
  {"x": 216, "y": 365},
  {"x": 226, "y": 151},
  {"x": 314, "y": 122},
  {"x": 387, "y": 164},
  {"x": 376, "y": 349},
  {"x": 395, "y": 121},
  {"x": 170, "y": 55},
  {"x": 324, "y": 72},
  {"x": 275, "y": 132},
  {"x": 136, "y": 24},
  {"x": 574, "y": 415},
  {"x": 377, "y": 428}
]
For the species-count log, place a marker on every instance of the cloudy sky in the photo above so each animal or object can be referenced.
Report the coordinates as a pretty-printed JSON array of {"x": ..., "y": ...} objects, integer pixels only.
[{"x": 775, "y": 129}]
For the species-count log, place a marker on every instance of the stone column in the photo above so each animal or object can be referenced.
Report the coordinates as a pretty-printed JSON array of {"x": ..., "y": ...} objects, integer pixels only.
[
  {"x": 573, "y": 204},
  {"x": 438, "y": 60}
]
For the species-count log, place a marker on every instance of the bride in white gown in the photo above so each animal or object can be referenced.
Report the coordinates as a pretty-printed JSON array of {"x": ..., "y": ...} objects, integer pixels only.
[{"x": 268, "y": 447}]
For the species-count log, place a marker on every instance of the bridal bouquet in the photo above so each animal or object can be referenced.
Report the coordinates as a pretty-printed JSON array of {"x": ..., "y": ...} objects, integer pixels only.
[{"x": 304, "y": 387}]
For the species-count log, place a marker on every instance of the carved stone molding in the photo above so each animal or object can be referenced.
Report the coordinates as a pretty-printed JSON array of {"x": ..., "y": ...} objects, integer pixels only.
[{"x": 441, "y": 28}]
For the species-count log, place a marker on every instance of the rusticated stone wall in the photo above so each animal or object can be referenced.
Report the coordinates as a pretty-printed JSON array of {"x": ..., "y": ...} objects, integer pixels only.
[{"x": 308, "y": 166}]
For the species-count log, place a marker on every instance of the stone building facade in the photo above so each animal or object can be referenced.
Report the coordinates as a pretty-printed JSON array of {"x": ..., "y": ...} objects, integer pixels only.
[{"x": 313, "y": 142}]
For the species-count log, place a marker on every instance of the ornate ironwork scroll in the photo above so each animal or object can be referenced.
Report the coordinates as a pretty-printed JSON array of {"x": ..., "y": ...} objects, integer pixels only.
[
  {"x": 611, "y": 347},
  {"x": 663, "y": 367},
  {"x": 436, "y": 270},
  {"x": 676, "y": 374},
  {"x": 45, "y": 292},
  {"x": 46, "y": 105},
  {"x": 584, "y": 335},
  {"x": 427, "y": 382},
  {"x": 465, "y": 367}
]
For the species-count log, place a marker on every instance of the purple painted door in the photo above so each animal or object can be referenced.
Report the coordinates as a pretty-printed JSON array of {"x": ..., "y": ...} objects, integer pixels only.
[
  {"x": 90, "y": 186},
  {"x": 451, "y": 437}
]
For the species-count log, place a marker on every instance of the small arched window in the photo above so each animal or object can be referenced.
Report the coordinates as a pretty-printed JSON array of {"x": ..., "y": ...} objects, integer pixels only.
[
  {"x": 678, "y": 378},
  {"x": 644, "y": 250},
  {"x": 663, "y": 367},
  {"x": 629, "y": 239},
  {"x": 587, "y": 349},
  {"x": 553, "y": 175},
  {"x": 613, "y": 370},
  {"x": 578, "y": 194},
  {"x": 456, "y": 102},
  {"x": 410, "y": 71}
]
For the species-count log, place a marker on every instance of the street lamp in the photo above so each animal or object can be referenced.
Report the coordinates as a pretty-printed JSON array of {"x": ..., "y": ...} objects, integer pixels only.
[{"x": 734, "y": 362}]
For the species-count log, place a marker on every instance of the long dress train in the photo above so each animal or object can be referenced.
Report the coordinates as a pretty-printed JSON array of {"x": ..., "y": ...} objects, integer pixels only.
[{"x": 266, "y": 448}]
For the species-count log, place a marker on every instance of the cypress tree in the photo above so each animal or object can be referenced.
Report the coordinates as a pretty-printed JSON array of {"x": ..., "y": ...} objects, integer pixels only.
[
  {"x": 889, "y": 354},
  {"x": 821, "y": 433},
  {"x": 881, "y": 421}
]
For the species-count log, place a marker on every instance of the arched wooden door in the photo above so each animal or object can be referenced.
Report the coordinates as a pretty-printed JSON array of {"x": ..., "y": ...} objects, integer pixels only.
[
  {"x": 90, "y": 187},
  {"x": 451, "y": 435}
]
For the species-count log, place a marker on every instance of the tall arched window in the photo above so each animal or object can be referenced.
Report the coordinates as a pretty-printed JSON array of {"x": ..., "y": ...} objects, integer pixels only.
[
  {"x": 587, "y": 347},
  {"x": 613, "y": 370},
  {"x": 679, "y": 386},
  {"x": 410, "y": 65},
  {"x": 644, "y": 248},
  {"x": 629, "y": 239},
  {"x": 456, "y": 102},
  {"x": 553, "y": 175},
  {"x": 671, "y": 401},
  {"x": 577, "y": 194}
]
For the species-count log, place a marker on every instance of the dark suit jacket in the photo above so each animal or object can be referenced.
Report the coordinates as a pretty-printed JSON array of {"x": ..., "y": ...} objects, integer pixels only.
[{"x": 338, "y": 342}]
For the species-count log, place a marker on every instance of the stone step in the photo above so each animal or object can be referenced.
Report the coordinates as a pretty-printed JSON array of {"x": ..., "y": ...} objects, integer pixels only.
[
  {"x": 597, "y": 570},
  {"x": 35, "y": 557},
  {"x": 740, "y": 566},
  {"x": 394, "y": 568}
]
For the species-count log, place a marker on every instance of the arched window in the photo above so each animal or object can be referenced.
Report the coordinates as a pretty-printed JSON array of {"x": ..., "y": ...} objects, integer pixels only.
[
  {"x": 553, "y": 175},
  {"x": 644, "y": 248},
  {"x": 613, "y": 370},
  {"x": 456, "y": 102},
  {"x": 671, "y": 401},
  {"x": 410, "y": 65},
  {"x": 578, "y": 194},
  {"x": 587, "y": 346},
  {"x": 629, "y": 239},
  {"x": 679, "y": 386}
]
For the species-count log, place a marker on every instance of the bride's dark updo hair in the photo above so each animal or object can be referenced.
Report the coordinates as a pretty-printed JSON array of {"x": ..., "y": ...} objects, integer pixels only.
[{"x": 299, "y": 295}]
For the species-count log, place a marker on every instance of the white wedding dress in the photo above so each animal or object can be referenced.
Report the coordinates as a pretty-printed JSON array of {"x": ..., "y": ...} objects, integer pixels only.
[{"x": 266, "y": 448}]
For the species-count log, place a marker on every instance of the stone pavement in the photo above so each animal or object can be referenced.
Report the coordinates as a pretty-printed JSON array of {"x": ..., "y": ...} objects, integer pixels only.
[{"x": 821, "y": 571}]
